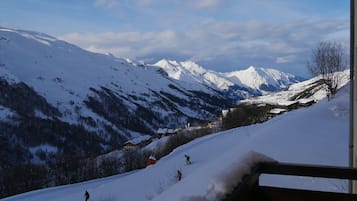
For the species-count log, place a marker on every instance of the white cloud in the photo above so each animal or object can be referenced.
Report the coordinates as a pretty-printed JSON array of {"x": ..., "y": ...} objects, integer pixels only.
[
  {"x": 285, "y": 59},
  {"x": 144, "y": 3},
  {"x": 205, "y": 3},
  {"x": 106, "y": 3},
  {"x": 251, "y": 43},
  {"x": 125, "y": 44}
]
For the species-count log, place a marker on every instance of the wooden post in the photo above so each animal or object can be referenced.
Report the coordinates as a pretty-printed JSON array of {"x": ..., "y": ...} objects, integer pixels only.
[{"x": 353, "y": 100}]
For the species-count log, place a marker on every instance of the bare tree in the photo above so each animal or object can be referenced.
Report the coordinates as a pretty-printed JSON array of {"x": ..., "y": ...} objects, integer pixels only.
[{"x": 327, "y": 59}]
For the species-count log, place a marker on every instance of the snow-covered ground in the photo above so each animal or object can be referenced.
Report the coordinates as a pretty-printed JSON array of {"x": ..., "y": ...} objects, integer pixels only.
[
  {"x": 285, "y": 97},
  {"x": 314, "y": 135}
]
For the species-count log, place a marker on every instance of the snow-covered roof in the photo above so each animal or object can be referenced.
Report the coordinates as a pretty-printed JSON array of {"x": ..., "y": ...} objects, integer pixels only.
[
  {"x": 224, "y": 112},
  {"x": 152, "y": 157},
  {"x": 140, "y": 139},
  {"x": 277, "y": 111},
  {"x": 165, "y": 130}
]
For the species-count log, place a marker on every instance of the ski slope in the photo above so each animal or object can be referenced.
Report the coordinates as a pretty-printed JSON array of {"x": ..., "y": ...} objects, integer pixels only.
[{"x": 314, "y": 135}]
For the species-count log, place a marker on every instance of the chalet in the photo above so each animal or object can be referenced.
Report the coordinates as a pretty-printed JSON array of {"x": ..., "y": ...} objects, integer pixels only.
[
  {"x": 151, "y": 161},
  {"x": 224, "y": 113},
  {"x": 166, "y": 132},
  {"x": 277, "y": 111},
  {"x": 138, "y": 142},
  {"x": 306, "y": 102}
]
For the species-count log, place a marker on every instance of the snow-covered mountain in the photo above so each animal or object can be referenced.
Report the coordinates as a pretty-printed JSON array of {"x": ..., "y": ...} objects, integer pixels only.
[
  {"x": 191, "y": 72},
  {"x": 263, "y": 79},
  {"x": 58, "y": 98},
  {"x": 308, "y": 91},
  {"x": 316, "y": 135},
  {"x": 57, "y": 95},
  {"x": 241, "y": 84}
]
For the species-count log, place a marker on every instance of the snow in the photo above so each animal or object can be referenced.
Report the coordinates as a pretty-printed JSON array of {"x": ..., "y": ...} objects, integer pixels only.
[
  {"x": 6, "y": 113},
  {"x": 192, "y": 73},
  {"x": 277, "y": 111},
  {"x": 255, "y": 77},
  {"x": 140, "y": 139},
  {"x": 251, "y": 78},
  {"x": 226, "y": 181},
  {"x": 165, "y": 130},
  {"x": 313, "y": 135},
  {"x": 46, "y": 148},
  {"x": 283, "y": 98},
  {"x": 64, "y": 75}
]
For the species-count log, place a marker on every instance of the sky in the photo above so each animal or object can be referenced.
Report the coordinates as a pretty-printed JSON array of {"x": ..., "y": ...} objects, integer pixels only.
[{"x": 221, "y": 35}]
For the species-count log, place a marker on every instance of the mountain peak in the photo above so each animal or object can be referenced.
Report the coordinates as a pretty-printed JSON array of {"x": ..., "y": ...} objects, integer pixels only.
[
  {"x": 166, "y": 63},
  {"x": 193, "y": 67},
  {"x": 263, "y": 79},
  {"x": 257, "y": 79},
  {"x": 251, "y": 68}
]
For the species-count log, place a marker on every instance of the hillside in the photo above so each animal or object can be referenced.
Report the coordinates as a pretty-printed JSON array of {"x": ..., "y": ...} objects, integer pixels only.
[
  {"x": 61, "y": 100},
  {"x": 262, "y": 108},
  {"x": 58, "y": 98},
  {"x": 312, "y": 90},
  {"x": 314, "y": 135}
]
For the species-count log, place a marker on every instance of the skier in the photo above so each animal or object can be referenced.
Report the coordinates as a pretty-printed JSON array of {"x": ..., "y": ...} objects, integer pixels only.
[
  {"x": 188, "y": 162},
  {"x": 179, "y": 175},
  {"x": 86, "y": 196}
]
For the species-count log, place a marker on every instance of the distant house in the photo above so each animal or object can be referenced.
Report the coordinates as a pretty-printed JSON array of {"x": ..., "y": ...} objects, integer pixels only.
[
  {"x": 277, "y": 111},
  {"x": 151, "y": 161},
  {"x": 224, "y": 113},
  {"x": 289, "y": 105},
  {"x": 306, "y": 102},
  {"x": 129, "y": 144},
  {"x": 211, "y": 124},
  {"x": 165, "y": 132},
  {"x": 138, "y": 142}
]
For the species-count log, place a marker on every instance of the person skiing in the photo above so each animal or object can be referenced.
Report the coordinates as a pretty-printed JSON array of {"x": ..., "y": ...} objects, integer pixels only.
[
  {"x": 188, "y": 162},
  {"x": 86, "y": 196},
  {"x": 179, "y": 175}
]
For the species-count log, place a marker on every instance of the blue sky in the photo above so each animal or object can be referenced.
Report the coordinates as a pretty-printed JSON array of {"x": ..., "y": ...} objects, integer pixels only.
[{"x": 223, "y": 35}]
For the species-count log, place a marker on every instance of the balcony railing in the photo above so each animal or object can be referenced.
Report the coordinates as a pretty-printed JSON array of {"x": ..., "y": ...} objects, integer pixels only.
[{"x": 250, "y": 190}]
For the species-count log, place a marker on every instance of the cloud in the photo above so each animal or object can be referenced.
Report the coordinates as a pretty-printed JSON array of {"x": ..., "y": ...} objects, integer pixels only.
[
  {"x": 107, "y": 3},
  {"x": 125, "y": 44},
  {"x": 204, "y": 3},
  {"x": 215, "y": 42},
  {"x": 144, "y": 3},
  {"x": 285, "y": 59}
]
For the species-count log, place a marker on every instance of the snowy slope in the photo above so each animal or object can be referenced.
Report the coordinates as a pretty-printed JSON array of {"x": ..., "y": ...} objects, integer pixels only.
[
  {"x": 107, "y": 99},
  {"x": 64, "y": 73},
  {"x": 315, "y": 135},
  {"x": 54, "y": 82},
  {"x": 302, "y": 92}
]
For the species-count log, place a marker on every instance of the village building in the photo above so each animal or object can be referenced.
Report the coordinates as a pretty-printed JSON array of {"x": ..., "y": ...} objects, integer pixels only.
[
  {"x": 138, "y": 142},
  {"x": 165, "y": 132},
  {"x": 151, "y": 161}
]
